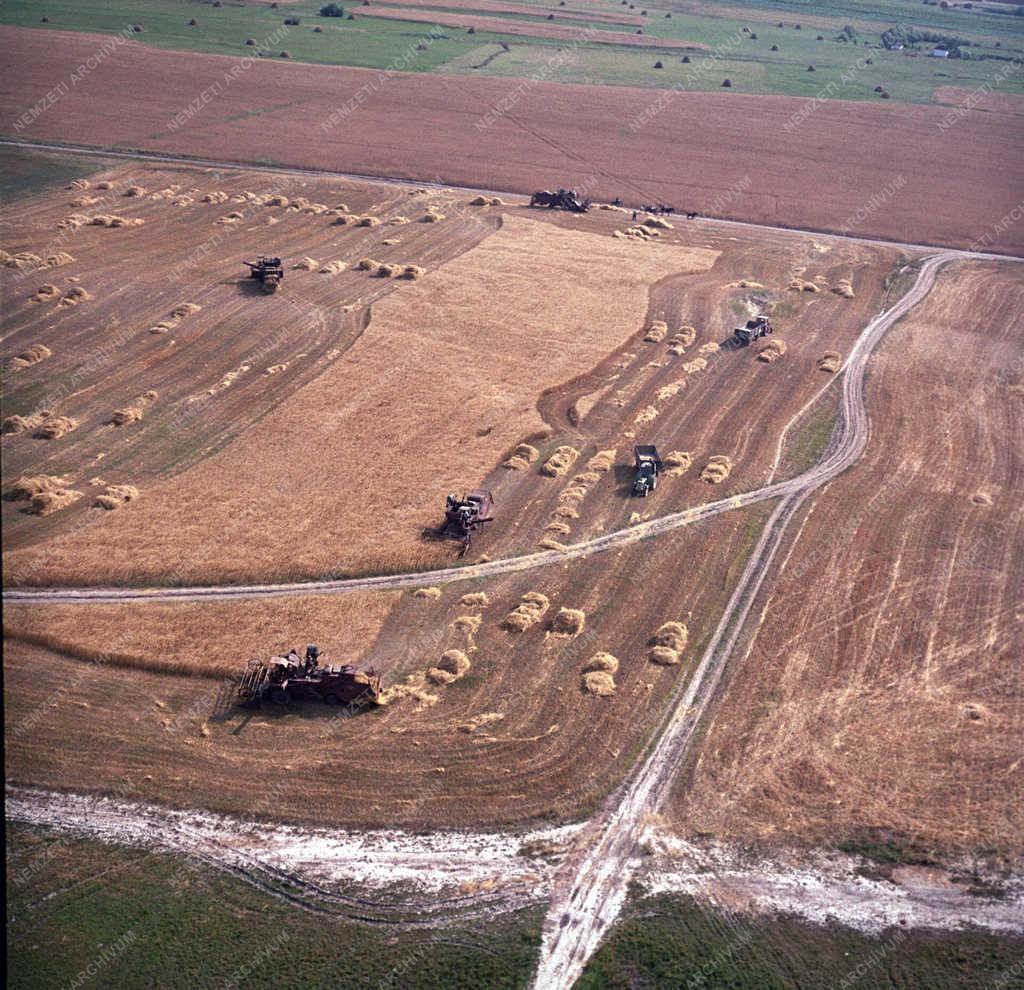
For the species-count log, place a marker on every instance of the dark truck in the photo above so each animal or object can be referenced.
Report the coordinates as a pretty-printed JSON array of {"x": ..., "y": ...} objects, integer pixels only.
[{"x": 648, "y": 467}]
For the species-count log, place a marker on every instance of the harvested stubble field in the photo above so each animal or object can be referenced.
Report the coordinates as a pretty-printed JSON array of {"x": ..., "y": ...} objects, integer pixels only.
[
  {"x": 515, "y": 738},
  {"x": 884, "y": 687},
  {"x": 459, "y": 358},
  {"x": 178, "y": 352},
  {"x": 576, "y": 302},
  {"x": 820, "y": 174}
]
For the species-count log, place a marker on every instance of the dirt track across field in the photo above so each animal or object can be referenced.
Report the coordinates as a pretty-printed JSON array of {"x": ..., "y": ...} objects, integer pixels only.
[{"x": 879, "y": 170}]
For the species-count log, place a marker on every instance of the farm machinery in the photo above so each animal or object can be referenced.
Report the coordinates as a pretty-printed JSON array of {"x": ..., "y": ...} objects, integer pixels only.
[
  {"x": 754, "y": 330},
  {"x": 288, "y": 678},
  {"x": 267, "y": 271},
  {"x": 564, "y": 199},
  {"x": 648, "y": 467},
  {"x": 464, "y": 516}
]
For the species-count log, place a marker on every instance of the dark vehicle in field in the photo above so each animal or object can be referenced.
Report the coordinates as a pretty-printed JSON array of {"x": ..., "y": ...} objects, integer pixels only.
[
  {"x": 564, "y": 199},
  {"x": 291, "y": 678},
  {"x": 269, "y": 272},
  {"x": 755, "y": 329},
  {"x": 648, "y": 467},
  {"x": 464, "y": 516}
]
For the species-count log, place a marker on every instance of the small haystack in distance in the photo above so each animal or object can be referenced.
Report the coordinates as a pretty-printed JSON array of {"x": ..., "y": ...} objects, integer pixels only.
[
  {"x": 717, "y": 469},
  {"x": 697, "y": 364},
  {"x": 550, "y": 544},
  {"x": 844, "y": 288},
  {"x": 677, "y": 462},
  {"x": 599, "y": 682},
  {"x": 75, "y": 295},
  {"x": 568, "y": 622},
  {"x": 55, "y": 427},
  {"x": 431, "y": 216},
  {"x": 432, "y": 594},
  {"x": 43, "y": 503},
  {"x": 452, "y": 665},
  {"x": 23, "y": 259},
  {"x": 686, "y": 334},
  {"x": 135, "y": 410},
  {"x": 802, "y": 285},
  {"x": 745, "y": 283},
  {"x": 58, "y": 259},
  {"x": 646, "y": 415},
  {"x": 565, "y": 512},
  {"x": 528, "y": 612},
  {"x": 664, "y": 656},
  {"x": 558, "y": 527},
  {"x": 306, "y": 265},
  {"x": 709, "y": 348},
  {"x": 233, "y": 217},
  {"x": 468, "y": 624},
  {"x": 656, "y": 331},
  {"x": 650, "y": 221},
  {"x": 602, "y": 661},
  {"x": 368, "y": 265},
  {"x": 521, "y": 458},
  {"x": 412, "y": 272},
  {"x": 560, "y": 461},
  {"x": 386, "y": 270},
  {"x": 78, "y": 184},
  {"x": 333, "y": 267},
  {"x": 479, "y": 201},
  {"x": 603, "y": 460},
  {"x": 29, "y": 485},
  {"x": 114, "y": 496},
  {"x": 830, "y": 361},
  {"x": 477, "y": 599},
  {"x": 135, "y": 191},
  {"x": 24, "y": 424},
  {"x": 215, "y": 197},
  {"x": 30, "y": 356},
  {"x": 772, "y": 351},
  {"x": 674, "y": 635}
]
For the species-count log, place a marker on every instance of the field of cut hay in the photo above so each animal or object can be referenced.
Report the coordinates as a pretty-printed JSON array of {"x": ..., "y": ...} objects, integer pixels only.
[{"x": 442, "y": 366}]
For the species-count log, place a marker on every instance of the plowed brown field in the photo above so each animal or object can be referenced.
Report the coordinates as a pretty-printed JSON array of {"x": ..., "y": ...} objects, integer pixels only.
[
  {"x": 724, "y": 153},
  {"x": 884, "y": 687}
]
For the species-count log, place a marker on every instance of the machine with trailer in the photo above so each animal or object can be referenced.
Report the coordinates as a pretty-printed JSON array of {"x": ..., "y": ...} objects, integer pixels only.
[
  {"x": 292, "y": 678},
  {"x": 648, "y": 467},
  {"x": 756, "y": 328}
]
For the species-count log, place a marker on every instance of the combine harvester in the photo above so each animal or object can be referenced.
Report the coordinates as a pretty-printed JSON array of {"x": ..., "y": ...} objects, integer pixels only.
[
  {"x": 269, "y": 272},
  {"x": 564, "y": 199},
  {"x": 288, "y": 678},
  {"x": 464, "y": 516},
  {"x": 648, "y": 467}
]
